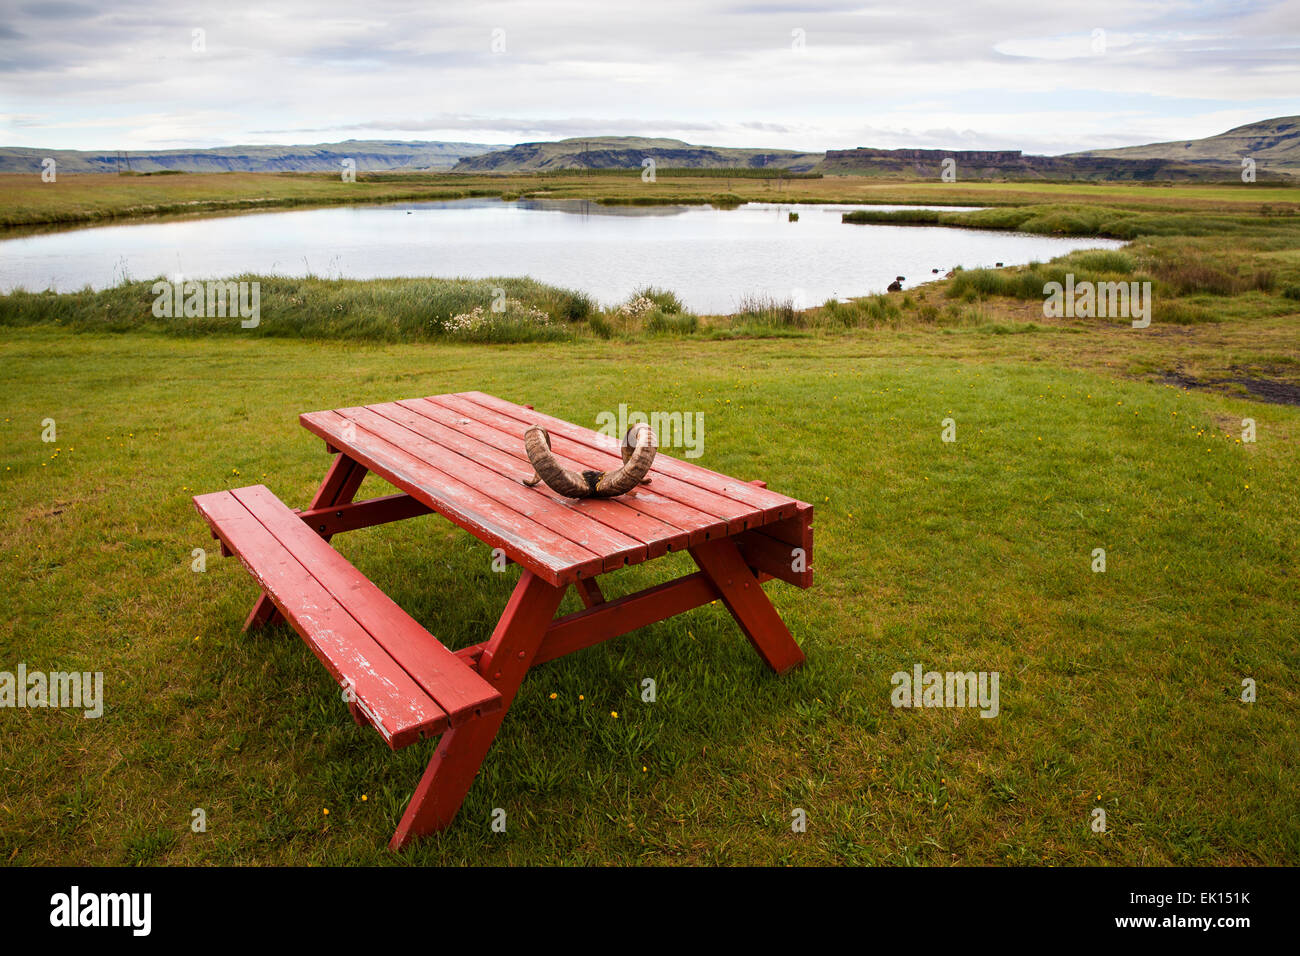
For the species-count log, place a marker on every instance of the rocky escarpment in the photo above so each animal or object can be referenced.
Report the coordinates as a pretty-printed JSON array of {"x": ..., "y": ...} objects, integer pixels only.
[
  {"x": 1012, "y": 164},
  {"x": 368, "y": 155}
]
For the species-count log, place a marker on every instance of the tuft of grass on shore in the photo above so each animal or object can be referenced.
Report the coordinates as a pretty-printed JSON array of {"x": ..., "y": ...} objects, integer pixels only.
[
  {"x": 378, "y": 310},
  {"x": 1079, "y": 220}
]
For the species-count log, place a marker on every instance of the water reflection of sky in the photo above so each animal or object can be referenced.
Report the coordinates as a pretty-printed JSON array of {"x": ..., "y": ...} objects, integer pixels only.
[{"x": 710, "y": 257}]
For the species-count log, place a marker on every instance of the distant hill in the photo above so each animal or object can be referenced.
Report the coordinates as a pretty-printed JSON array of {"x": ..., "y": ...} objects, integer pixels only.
[
  {"x": 369, "y": 155},
  {"x": 1274, "y": 144},
  {"x": 628, "y": 152},
  {"x": 1011, "y": 164}
]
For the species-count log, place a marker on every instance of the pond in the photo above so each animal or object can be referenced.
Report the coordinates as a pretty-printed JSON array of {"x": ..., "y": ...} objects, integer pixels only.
[{"x": 712, "y": 258}]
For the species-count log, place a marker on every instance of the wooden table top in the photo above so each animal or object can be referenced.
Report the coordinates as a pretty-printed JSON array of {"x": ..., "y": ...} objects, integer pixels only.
[{"x": 463, "y": 456}]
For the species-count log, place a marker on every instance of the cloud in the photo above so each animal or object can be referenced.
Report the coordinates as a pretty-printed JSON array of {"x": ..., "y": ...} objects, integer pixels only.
[
  {"x": 57, "y": 10},
  {"x": 1020, "y": 73}
]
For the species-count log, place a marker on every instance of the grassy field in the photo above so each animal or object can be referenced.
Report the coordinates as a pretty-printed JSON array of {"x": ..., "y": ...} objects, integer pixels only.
[
  {"x": 1120, "y": 690},
  {"x": 77, "y": 199}
]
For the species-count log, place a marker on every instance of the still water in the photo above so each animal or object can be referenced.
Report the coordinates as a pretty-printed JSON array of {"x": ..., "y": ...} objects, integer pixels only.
[{"x": 711, "y": 258}]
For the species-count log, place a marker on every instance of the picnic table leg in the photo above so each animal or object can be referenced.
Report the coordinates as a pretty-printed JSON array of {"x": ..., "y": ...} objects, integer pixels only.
[
  {"x": 504, "y": 663},
  {"x": 721, "y": 561},
  {"x": 589, "y": 591},
  {"x": 339, "y": 488}
]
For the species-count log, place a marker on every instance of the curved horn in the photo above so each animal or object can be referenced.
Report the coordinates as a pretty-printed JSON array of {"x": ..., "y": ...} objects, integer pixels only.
[
  {"x": 639, "y": 450},
  {"x": 537, "y": 443},
  {"x": 629, "y": 446}
]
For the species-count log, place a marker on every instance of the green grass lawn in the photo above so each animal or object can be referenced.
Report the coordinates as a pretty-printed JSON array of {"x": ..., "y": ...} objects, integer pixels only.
[{"x": 1119, "y": 690}]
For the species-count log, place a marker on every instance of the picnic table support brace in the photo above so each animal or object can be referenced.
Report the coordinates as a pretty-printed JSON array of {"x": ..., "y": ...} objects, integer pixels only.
[
  {"x": 589, "y": 591},
  {"x": 722, "y": 563},
  {"x": 340, "y": 486},
  {"x": 504, "y": 663}
]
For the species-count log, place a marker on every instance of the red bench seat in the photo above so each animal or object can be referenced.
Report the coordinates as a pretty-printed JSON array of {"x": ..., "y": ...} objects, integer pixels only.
[{"x": 402, "y": 679}]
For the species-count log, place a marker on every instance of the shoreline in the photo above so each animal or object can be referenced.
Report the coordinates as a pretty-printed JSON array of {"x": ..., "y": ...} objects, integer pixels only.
[{"x": 84, "y": 200}]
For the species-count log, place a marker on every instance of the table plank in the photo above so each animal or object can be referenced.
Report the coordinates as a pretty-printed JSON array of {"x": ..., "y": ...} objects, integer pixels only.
[
  {"x": 550, "y": 556},
  {"x": 444, "y": 677},
  {"x": 615, "y": 548},
  {"x": 463, "y": 456},
  {"x": 735, "y": 516},
  {"x": 697, "y": 525},
  {"x": 611, "y": 513},
  {"x": 397, "y": 705},
  {"x": 770, "y": 502}
]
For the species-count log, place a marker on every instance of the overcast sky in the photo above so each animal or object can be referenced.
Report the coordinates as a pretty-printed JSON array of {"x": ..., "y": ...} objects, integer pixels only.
[{"x": 1040, "y": 75}]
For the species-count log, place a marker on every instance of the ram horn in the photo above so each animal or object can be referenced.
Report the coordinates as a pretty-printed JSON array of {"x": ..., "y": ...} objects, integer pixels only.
[
  {"x": 537, "y": 444},
  {"x": 638, "y": 451},
  {"x": 629, "y": 446}
]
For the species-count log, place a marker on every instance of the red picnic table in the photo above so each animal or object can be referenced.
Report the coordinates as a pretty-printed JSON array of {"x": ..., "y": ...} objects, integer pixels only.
[{"x": 462, "y": 456}]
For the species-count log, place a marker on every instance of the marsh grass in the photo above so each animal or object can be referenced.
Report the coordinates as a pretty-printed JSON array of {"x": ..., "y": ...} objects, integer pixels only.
[
  {"x": 26, "y": 201},
  {"x": 381, "y": 310},
  {"x": 868, "y": 311},
  {"x": 1073, "y": 220},
  {"x": 649, "y": 310},
  {"x": 665, "y": 300},
  {"x": 767, "y": 311},
  {"x": 659, "y": 322},
  {"x": 1190, "y": 279},
  {"x": 1195, "y": 281}
]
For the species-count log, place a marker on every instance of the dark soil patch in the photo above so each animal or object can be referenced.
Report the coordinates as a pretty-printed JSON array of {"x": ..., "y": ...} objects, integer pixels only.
[
  {"x": 1271, "y": 390},
  {"x": 1263, "y": 389}
]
